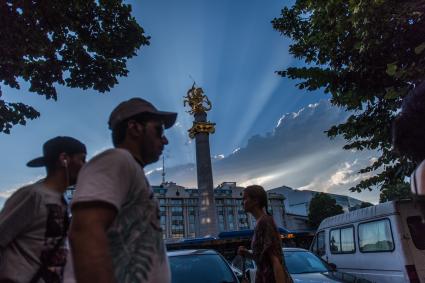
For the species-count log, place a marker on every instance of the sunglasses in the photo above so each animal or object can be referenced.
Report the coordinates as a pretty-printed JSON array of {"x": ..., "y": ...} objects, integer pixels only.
[{"x": 159, "y": 129}]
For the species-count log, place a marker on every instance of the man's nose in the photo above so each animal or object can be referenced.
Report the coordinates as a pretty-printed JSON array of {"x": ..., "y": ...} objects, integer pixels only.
[{"x": 164, "y": 140}]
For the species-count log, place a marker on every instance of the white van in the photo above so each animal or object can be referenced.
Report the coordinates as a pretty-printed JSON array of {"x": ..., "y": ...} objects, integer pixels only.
[{"x": 381, "y": 243}]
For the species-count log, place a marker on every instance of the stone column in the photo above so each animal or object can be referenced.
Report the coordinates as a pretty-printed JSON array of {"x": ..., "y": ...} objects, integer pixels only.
[
  {"x": 207, "y": 209},
  {"x": 200, "y": 131}
]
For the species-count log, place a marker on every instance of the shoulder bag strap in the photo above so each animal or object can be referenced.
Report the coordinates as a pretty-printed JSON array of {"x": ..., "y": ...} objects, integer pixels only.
[{"x": 52, "y": 252}]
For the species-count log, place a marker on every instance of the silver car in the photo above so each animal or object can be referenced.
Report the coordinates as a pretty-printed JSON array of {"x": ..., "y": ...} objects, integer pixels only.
[{"x": 303, "y": 266}]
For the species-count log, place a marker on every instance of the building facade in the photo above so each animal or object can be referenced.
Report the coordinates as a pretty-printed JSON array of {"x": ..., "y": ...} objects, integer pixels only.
[
  {"x": 297, "y": 202},
  {"x": 179, "y": 210}
]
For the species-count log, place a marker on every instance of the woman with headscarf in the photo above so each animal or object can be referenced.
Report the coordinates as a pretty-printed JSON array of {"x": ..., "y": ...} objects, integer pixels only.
[{"x": 266, "y": 243}]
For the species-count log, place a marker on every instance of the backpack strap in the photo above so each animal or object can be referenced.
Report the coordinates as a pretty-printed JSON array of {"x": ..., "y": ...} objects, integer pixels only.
[{"x": 45, "y": 260}]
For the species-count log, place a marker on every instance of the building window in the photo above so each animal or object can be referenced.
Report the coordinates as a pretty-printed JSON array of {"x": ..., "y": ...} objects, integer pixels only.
[
  {"x": 163, "y": 223},
  {"x": 177, "y": 219},
  {"x": 176, "y": 201},
  {"x": 342, "y": 240},
  {"x": 162, "y": 210},
  {"x": 229, "y": 201},
  {"x": 243, "y": 220},
  {"x": 192, "y": 201},
  {"x": 220, "y": 214},
  {"x": 376, "y": 236},
  {"x": 162, "y": 201},
  {"x": 230, "y": 218},
  {"x": 192, "y": 218},
  {"x": 177, "y": 210},
  {"x": 219, "y": 201}
]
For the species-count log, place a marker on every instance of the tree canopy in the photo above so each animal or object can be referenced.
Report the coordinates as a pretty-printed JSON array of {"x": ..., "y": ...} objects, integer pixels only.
[
  {"x": 79, "y": 44},
  {"x": 367, "y": 55},
  {"x": 321, "y": 207}
]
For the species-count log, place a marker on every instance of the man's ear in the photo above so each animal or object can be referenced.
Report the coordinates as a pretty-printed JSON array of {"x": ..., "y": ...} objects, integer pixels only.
[{"x": 134, "y": 128}]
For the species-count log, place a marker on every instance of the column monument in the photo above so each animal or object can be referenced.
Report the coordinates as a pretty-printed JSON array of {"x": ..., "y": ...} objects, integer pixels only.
[{"x": 200, "y": 131}]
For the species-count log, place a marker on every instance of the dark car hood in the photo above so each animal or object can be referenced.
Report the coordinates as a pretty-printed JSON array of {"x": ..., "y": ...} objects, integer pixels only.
[{"x": 324, "y": 277}]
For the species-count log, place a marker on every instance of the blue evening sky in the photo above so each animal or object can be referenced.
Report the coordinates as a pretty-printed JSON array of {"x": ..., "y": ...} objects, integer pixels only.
[{"x": 228, "y": 47}]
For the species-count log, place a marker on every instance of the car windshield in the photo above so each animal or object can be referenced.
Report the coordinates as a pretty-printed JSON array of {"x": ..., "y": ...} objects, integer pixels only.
[
  {"x": 200, "y": 268},
  {"x": 303, "y": 262}
]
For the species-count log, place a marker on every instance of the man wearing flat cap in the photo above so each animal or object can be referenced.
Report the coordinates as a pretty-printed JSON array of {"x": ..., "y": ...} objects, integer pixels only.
[
  {"x": 115, "y": 233},
  {"x": 34, "y": 220}
]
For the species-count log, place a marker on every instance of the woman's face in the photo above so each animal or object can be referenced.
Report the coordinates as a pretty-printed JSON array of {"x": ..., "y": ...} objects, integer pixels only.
[{"x": 247, "y": 202}]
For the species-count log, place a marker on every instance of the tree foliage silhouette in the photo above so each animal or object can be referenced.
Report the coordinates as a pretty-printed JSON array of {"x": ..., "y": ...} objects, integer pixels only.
[
  {"x": 321, "y": 207},
  {"x": 367, "y": 55},
  {"x": 79, "y": 44}
]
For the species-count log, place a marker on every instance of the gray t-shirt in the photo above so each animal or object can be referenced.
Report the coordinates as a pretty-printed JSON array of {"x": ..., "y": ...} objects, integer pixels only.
[
  {"x": 135, "y": 237},
  {"x": 32, "y": 225}
]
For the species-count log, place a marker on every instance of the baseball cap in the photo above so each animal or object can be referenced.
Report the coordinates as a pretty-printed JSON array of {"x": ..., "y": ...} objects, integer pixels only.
[
  {"x": 135, "y": 106},
  {"x": 54, "y": 147}
]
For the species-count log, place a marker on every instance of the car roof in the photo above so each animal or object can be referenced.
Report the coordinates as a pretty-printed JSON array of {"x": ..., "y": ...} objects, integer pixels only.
[
  {"x": 191, "y": 252},
  {"x": 211, "y": 252},
  {"x": 294, "y": 250},
  {"x": 362, "y": 214}
]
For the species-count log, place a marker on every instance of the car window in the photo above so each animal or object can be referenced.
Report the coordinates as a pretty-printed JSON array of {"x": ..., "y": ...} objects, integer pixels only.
[
  {"x": 347, "y": 240},
  {"x": 417, "y": 231},
  {"x": 321, "y": 247},
  {"x": 200, "y": 268},
  {"x": 318, "y": 246},
  {"x": 341, "y": 240},
  {"x": 298, "y": 262},
  {"x": 375, "y": 236},
  {"x": 335, "y": 241}
]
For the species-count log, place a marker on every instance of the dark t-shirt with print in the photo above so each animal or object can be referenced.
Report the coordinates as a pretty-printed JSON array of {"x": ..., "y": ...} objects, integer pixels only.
[
  {"x": 266, "y": 242},
  {"x": 32, "y": 226}
]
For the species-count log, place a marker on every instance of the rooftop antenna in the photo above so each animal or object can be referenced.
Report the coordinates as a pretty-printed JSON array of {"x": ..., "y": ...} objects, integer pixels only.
[
  {"x": 163, "y": 169},
  {"x": 190, "y": 76}
]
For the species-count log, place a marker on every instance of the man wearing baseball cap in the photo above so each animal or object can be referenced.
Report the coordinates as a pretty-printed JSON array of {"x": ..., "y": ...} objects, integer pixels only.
[
  {"x": 115, "y": 233},
  {"x": 34, "y": 220}
]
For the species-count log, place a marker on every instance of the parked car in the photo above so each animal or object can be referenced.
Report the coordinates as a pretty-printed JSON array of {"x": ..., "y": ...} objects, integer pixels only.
[
  {"x": 302, "y": 265},
  {"x": 382, "y": 243},
  {"x": 195, "y": 266}
]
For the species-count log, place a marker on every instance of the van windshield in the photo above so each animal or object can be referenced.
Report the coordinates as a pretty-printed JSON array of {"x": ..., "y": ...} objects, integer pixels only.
[{"x": 417, "y": 231}]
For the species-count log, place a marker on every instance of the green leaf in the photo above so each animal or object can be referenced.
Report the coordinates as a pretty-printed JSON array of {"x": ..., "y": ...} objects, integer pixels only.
[
  {"x": 358, "y": 45},
  {"x": 420, "y": 48},
  {"x": 391, "y": 93},
  {"x": 391, "y": 69}
]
